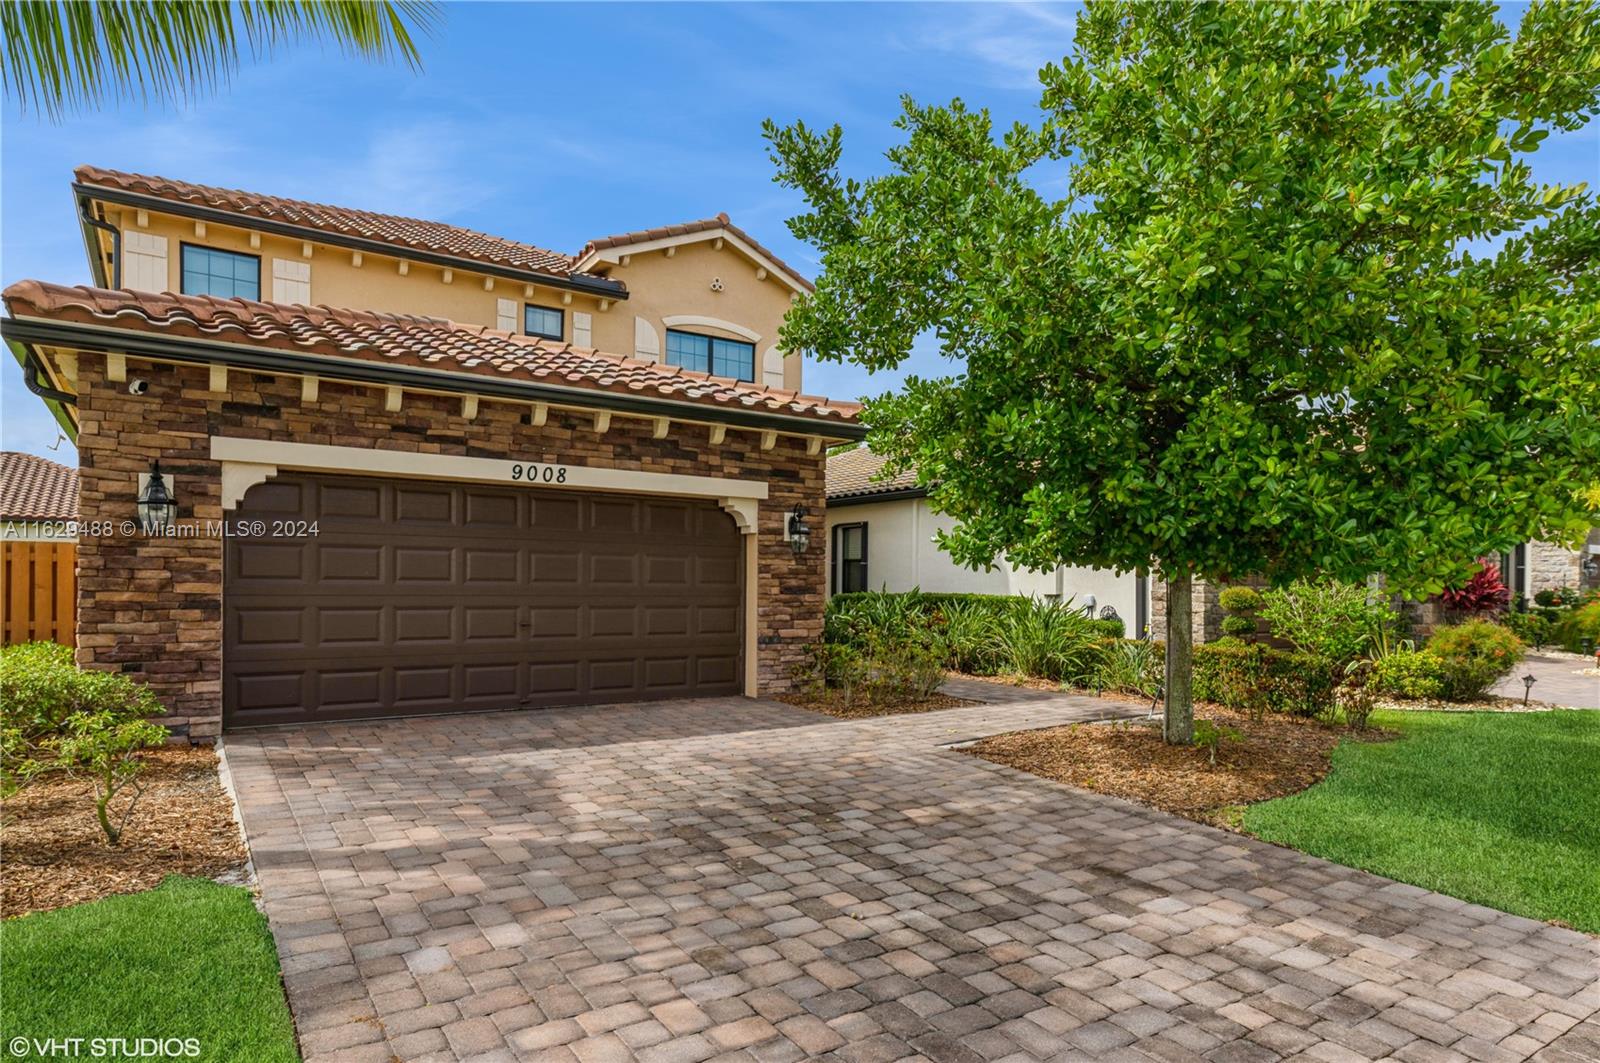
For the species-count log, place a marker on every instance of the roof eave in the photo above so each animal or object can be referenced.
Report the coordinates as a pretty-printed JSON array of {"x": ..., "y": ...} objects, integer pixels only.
[
  {"x": 893, "y": 494},
  {"x": 596, "y": 286},
  {"x": 612, "y": 253},
  {"x": 27, "y": 331}
]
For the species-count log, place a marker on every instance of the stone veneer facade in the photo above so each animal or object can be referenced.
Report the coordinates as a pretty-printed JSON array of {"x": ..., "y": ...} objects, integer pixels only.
[{"x": 153, "y": 607}]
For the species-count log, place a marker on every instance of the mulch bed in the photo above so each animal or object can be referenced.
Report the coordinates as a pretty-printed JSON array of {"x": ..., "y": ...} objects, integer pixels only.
[
  {"x": 54, "y": 853},
  {"x": 1275, "y": 756},
  {"x": 832, "y": 704}
]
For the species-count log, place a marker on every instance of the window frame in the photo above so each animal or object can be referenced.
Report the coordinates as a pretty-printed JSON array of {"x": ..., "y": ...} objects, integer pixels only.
[
  {"x": 183, "y": 251},
  {"x": 837, "y": 576},
  {"x": 561, "y": 316},
  {"x": 711, "y": 353}
]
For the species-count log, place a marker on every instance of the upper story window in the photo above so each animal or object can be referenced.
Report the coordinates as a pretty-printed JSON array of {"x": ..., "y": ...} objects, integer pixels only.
[
  {"x": 711, "y": 354},
  {"x": 542, "y": 321},
  {"x": 226, "y": 274}
]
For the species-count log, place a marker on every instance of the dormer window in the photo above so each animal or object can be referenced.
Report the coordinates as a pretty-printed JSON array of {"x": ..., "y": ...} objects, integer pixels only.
[
  {"x": 711, "y": 354},
  {"x": 542, "y": 321},
  {"x": 225, "y": 274}
]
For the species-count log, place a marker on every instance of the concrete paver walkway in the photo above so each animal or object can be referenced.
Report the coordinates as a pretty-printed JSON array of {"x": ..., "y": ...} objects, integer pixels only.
[
  {"x": 1557, "y": 682},
  {"x": 743, "y": 880}
]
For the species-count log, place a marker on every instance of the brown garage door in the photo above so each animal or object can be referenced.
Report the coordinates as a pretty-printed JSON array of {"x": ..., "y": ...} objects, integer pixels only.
[{"x": 422, "y": 597}]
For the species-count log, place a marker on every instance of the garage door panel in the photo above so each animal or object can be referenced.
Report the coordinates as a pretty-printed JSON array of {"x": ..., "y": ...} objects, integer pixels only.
[
  {"x": 419, "y": 505},
  {"x": 346, "y": 564},
  {"x": 422, "y": 597},
  {"x": 349, "y": 501},
  {"x": 423, "y": 564}
]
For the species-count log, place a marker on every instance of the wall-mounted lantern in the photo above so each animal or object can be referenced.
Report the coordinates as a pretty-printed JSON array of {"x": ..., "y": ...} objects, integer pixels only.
[
  {"x": 797, "y": 531},
  {"x": 158, "y": 507}
]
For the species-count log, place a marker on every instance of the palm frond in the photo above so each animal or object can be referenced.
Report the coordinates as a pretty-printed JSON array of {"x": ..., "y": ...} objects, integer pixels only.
[{"x": 64, "y": 55}]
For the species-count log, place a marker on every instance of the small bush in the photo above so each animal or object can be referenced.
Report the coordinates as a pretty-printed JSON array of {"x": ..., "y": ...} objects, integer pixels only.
[
  {"x": 1531, "y": 628},
  {"x": 1474, "y": 656},
  {"x": 1240, "y": 601},
  {"x": 1579, "y": 624},
  {"x": 1484, "y": 593},
  {"x": 1258, "y": 679},
  {"x": 1047, "y": 641},
  {"x": 55, "y": 716},
  {"x": 1409, "y": 674},
  {"x": 969, "y": 633},
  {"x": 1357, "y": 694},
  {"x": 1209, "y": 736},
  {"x": 1238, "y": 626},
  {"x": 1131, "y": 666},
  {"x": 1333, "y": 620}
]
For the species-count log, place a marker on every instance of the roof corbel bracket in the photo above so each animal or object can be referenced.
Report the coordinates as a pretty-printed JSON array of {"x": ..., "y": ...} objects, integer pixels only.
[
  {"x": 660, "y": 427},
  {"x": 539, "y": 415},
  {"x": 769, "y": 439},
  {"x": 218, "y": 383},
  {"x": 392, "y": 397},
  {"x": 602, "y": 422},
  {"x": 116, "y": 367},
  {"x": 813, "y": 446},
  {"x": 469, "y": 407},
  {"x": 719, "y": 433},
  {"x": 308, "y": 388}
]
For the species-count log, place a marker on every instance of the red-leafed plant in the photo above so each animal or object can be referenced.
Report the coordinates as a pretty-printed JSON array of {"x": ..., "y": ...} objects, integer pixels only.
[{"x": 1485, "y": 592}]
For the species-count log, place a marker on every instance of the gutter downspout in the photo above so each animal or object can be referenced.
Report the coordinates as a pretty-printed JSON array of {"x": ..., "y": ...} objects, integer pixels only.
[
  {"x": 30, "y": 377},
  {"x": 86, "y": 212}
]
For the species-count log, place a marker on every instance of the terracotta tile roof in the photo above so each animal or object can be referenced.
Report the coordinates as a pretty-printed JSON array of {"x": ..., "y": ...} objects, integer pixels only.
[
  {"x": 855, "y": 473},
  {"x": 407, "y": 340},
  {"x": 34, "y": 488},
  {"x": 720, "y": 223},
  {"x": 413, "y": 233}
]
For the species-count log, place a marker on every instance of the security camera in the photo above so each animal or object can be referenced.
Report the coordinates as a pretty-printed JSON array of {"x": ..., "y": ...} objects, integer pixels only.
[{"x": 136, "y": 386}]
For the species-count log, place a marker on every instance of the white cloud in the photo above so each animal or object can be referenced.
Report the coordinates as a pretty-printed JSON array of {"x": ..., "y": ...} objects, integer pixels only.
[{"x": 1013, "y": 40}]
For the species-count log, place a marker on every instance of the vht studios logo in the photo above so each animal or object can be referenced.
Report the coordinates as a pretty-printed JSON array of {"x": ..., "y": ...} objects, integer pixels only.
[{"x": 103, "y": 1047}]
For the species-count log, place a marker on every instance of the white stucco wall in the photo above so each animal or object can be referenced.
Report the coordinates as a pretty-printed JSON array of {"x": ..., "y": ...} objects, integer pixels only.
[{"x": 901, "y": 555}]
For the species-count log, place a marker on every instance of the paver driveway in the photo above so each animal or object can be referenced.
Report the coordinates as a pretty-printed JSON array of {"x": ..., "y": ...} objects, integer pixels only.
[{"x": 748, "y": 881}]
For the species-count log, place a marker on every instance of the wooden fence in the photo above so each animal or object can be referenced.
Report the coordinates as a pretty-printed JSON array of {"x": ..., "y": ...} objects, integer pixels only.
[{"x": 38, "y": 591}]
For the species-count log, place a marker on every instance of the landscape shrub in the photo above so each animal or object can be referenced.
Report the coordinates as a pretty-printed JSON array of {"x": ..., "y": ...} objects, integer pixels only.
[
  {"x": 1577, "y": 625},
  {"x": 1258, "y": 679},
  {"x": 1409, "y": 673},
  {"x": 1474, "y": 656},
  {"x": 1357, "y": 694},
  {"x": 55, "y": 716},
  {"x": 981, "y": 633},
  {"x": 881, "y": 672},
  {"x": 1531, "y": 628},
  {"x": 1047, "y": 641},
  {"x": 1131, "y": 666},
  {"x": 1327, "y": 619},
  {"x": 1240, "y": 601},
  {"x": 1484, "y": 593}
]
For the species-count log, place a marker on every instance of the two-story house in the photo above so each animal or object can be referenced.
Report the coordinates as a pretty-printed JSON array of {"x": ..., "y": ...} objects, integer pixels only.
[{"x": 339, "y": 464}]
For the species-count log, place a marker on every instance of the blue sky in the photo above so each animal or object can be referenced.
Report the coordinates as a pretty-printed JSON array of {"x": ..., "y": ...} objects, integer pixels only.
[{"x": 555, "y": 123}]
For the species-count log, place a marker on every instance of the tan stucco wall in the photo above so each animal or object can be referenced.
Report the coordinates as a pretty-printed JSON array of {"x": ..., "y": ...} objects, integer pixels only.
[{"x": 658, "y": 286}]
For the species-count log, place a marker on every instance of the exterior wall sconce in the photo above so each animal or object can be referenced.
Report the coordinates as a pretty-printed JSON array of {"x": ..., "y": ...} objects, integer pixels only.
[
  {"x": 797, "y": 531},
  {"x": 158, "y": 507}
]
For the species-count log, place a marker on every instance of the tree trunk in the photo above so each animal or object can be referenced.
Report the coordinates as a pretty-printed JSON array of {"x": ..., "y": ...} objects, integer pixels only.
[{"x": 1177, "y": 725}]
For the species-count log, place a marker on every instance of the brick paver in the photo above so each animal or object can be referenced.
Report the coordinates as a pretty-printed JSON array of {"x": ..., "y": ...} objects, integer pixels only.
[{"x": 743, "y": 880}]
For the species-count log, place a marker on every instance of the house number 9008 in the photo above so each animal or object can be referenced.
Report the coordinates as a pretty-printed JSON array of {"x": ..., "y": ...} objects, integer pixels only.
[{"x": 542, "y": 474}]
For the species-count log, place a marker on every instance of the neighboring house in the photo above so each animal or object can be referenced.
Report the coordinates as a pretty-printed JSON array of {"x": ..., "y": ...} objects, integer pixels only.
[
  {"x": 38, "y": 549},
  {"x": 457, "y": 472},
  {"x": 881, "y": 536}
]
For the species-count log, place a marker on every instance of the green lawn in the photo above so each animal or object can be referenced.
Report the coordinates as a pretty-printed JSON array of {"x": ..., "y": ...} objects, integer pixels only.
[
  {"x": 1501, "y": 809},
  {"x": 190, "y": 958}
]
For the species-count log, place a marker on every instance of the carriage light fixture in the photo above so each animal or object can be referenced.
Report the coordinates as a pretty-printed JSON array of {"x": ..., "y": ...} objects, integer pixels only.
[
  {"x": 158, "y": 507},
  {"x": 797, "y": 531}
]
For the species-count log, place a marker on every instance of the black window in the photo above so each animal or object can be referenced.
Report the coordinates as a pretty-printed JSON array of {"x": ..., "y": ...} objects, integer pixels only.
[
  {"x": 227, "y": 274},
  {"x": 849, "y": 558},
  {"x": 711, "y": 354},
  {"x": 542, "y": 321}
]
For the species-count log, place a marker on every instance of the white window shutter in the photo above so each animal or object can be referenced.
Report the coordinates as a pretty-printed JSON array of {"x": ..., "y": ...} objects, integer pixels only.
[
  {"x": 646, "y": 341},
  {"x": 291, "y": 281},
  {"x": 582, "y": 329},
  {"x": 144, "y": 262},
  {"x": 505, "y": 315},
  {"x": 772, "y": 368}
]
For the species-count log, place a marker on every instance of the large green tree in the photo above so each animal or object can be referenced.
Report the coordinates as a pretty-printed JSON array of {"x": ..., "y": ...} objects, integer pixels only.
[
  {"x": 1269, "y": 289},
  {"x": 64, "y": 54}
]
